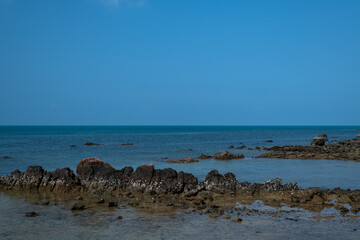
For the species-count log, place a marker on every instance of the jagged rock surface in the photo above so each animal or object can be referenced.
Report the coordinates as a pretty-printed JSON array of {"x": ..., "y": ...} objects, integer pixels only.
[
  {"x": 342, "y": 150},
  {"x": 94, "y": 174}
]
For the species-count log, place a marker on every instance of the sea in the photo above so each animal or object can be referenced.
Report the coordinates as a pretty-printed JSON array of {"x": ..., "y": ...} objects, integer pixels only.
[{"x": 49, "y": 147}]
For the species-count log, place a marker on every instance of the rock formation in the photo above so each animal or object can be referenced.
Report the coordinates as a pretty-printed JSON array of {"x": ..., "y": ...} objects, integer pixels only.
[{"x": 342, "y": 150}]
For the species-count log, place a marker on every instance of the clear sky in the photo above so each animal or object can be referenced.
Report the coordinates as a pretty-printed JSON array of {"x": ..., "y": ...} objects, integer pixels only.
[{"x": 182, "y": 62}]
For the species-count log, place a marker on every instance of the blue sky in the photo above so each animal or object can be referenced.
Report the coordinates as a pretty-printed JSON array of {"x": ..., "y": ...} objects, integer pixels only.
[{"x": 180, "y": 62}]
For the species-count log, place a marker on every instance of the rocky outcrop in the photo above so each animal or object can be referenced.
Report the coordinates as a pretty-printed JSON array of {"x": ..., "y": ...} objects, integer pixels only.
[
  {"x": 220, "y": 183},
  {"x": 36, "y": 178},
  {"x": 227, "y": 156},
  {"x": 184, "y": 160},
  {"x": 342, "y": 150},
  {"x": 99, "y": 184},
  {"x": 204, "y": 156},
  {"x": 319, "y": 140}
]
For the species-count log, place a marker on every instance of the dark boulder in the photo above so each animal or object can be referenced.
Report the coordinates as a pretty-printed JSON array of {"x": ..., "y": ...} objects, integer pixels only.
[
  {"x": 319, "y": 140},
  {"x": 220, "y": 183},
  {"x": 227, "y": 156},
  {"x": 143, "y": 173},
  {"x": 93, "y": 168},
  {"x": 272, "y": 185}
]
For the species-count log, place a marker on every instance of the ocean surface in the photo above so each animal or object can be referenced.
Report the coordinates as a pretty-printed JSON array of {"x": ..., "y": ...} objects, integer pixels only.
[{"x": 48, "y": 146}]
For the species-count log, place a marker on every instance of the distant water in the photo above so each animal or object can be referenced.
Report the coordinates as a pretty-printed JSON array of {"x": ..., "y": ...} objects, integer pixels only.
[{"x": 48, "y": 146}]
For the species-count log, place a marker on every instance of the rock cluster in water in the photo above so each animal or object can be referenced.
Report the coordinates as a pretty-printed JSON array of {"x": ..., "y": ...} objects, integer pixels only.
[
  {"x": 342, "y": 150},
  {"x": 92, "y": 173},
  {"x": 166, "y": 186}
]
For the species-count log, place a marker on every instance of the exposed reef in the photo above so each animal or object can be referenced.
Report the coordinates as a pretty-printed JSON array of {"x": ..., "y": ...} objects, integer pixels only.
[
  {"x": 98, "y": 183},
  {"x": 184, "y": 160},
  {"x": 342, "y": 150}
]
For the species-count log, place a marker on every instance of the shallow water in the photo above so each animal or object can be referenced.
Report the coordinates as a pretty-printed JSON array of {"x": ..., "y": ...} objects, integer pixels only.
[
  {"x": 49, "y": 147},
  {"x": 58, "y": 222}
]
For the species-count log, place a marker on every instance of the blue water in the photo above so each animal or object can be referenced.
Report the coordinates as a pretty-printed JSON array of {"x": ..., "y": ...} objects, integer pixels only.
[{"x": 48, "y": 146}]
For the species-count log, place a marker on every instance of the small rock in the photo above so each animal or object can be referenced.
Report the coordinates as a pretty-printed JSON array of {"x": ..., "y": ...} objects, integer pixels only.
[
  {"x": 344, "y": 210},
  {"x": 112, "y": 204},
  {"x": 127, "y": 144},
  {"x": 269, "y": 141},
  {"x": 119, "y": 218},
  {"x": 72, "y": 146},
  {"x": 77, "y": 207},
  {"x": 213, "y": 215},
  {"x": 31, "y": 214},
  {"x": 227, "y": 216},
  {"x": 91, "y": 144},
  {"x": 242, "y": 147},
  {"x": 237, "y": 220},
  {"x": 230, "y": 147}
]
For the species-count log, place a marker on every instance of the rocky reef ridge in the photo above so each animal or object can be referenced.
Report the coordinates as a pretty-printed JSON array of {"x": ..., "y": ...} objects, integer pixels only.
[
  {"x": 342, "y": 150},
  {"x": 99, "y": 183}
]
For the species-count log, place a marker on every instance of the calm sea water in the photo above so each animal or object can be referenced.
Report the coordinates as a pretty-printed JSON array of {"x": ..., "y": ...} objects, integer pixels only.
[{"x": 48, "y": 146}]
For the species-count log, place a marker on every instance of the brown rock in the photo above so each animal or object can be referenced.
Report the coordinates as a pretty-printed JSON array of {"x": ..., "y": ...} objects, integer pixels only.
[
  {"x": 184, "y": 160},
  {"x": 204, "y": 156},
  {"x": 227, "y": 156},
  {"x": 91, "y": 168}
]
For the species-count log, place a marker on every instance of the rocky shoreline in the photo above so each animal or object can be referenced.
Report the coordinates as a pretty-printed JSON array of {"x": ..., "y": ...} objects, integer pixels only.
[
  {"x": 342, "y": 150},
  {"x": 98, "y": 184}
]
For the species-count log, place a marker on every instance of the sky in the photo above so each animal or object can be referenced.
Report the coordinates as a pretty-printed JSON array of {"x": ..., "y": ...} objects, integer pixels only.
[{"x": 161, "y": 62}]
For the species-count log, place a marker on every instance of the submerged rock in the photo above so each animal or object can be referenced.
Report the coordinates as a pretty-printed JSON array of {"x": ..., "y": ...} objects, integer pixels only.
[
  {"x": 91, "y": 144},
  {"x": 227, "y": 156},
  {"x": 77, "y": 207},
  {"x": 242, "y": 147},
  {"x": 184, "y": 160},
  {"x": 31, "y": 214}
]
